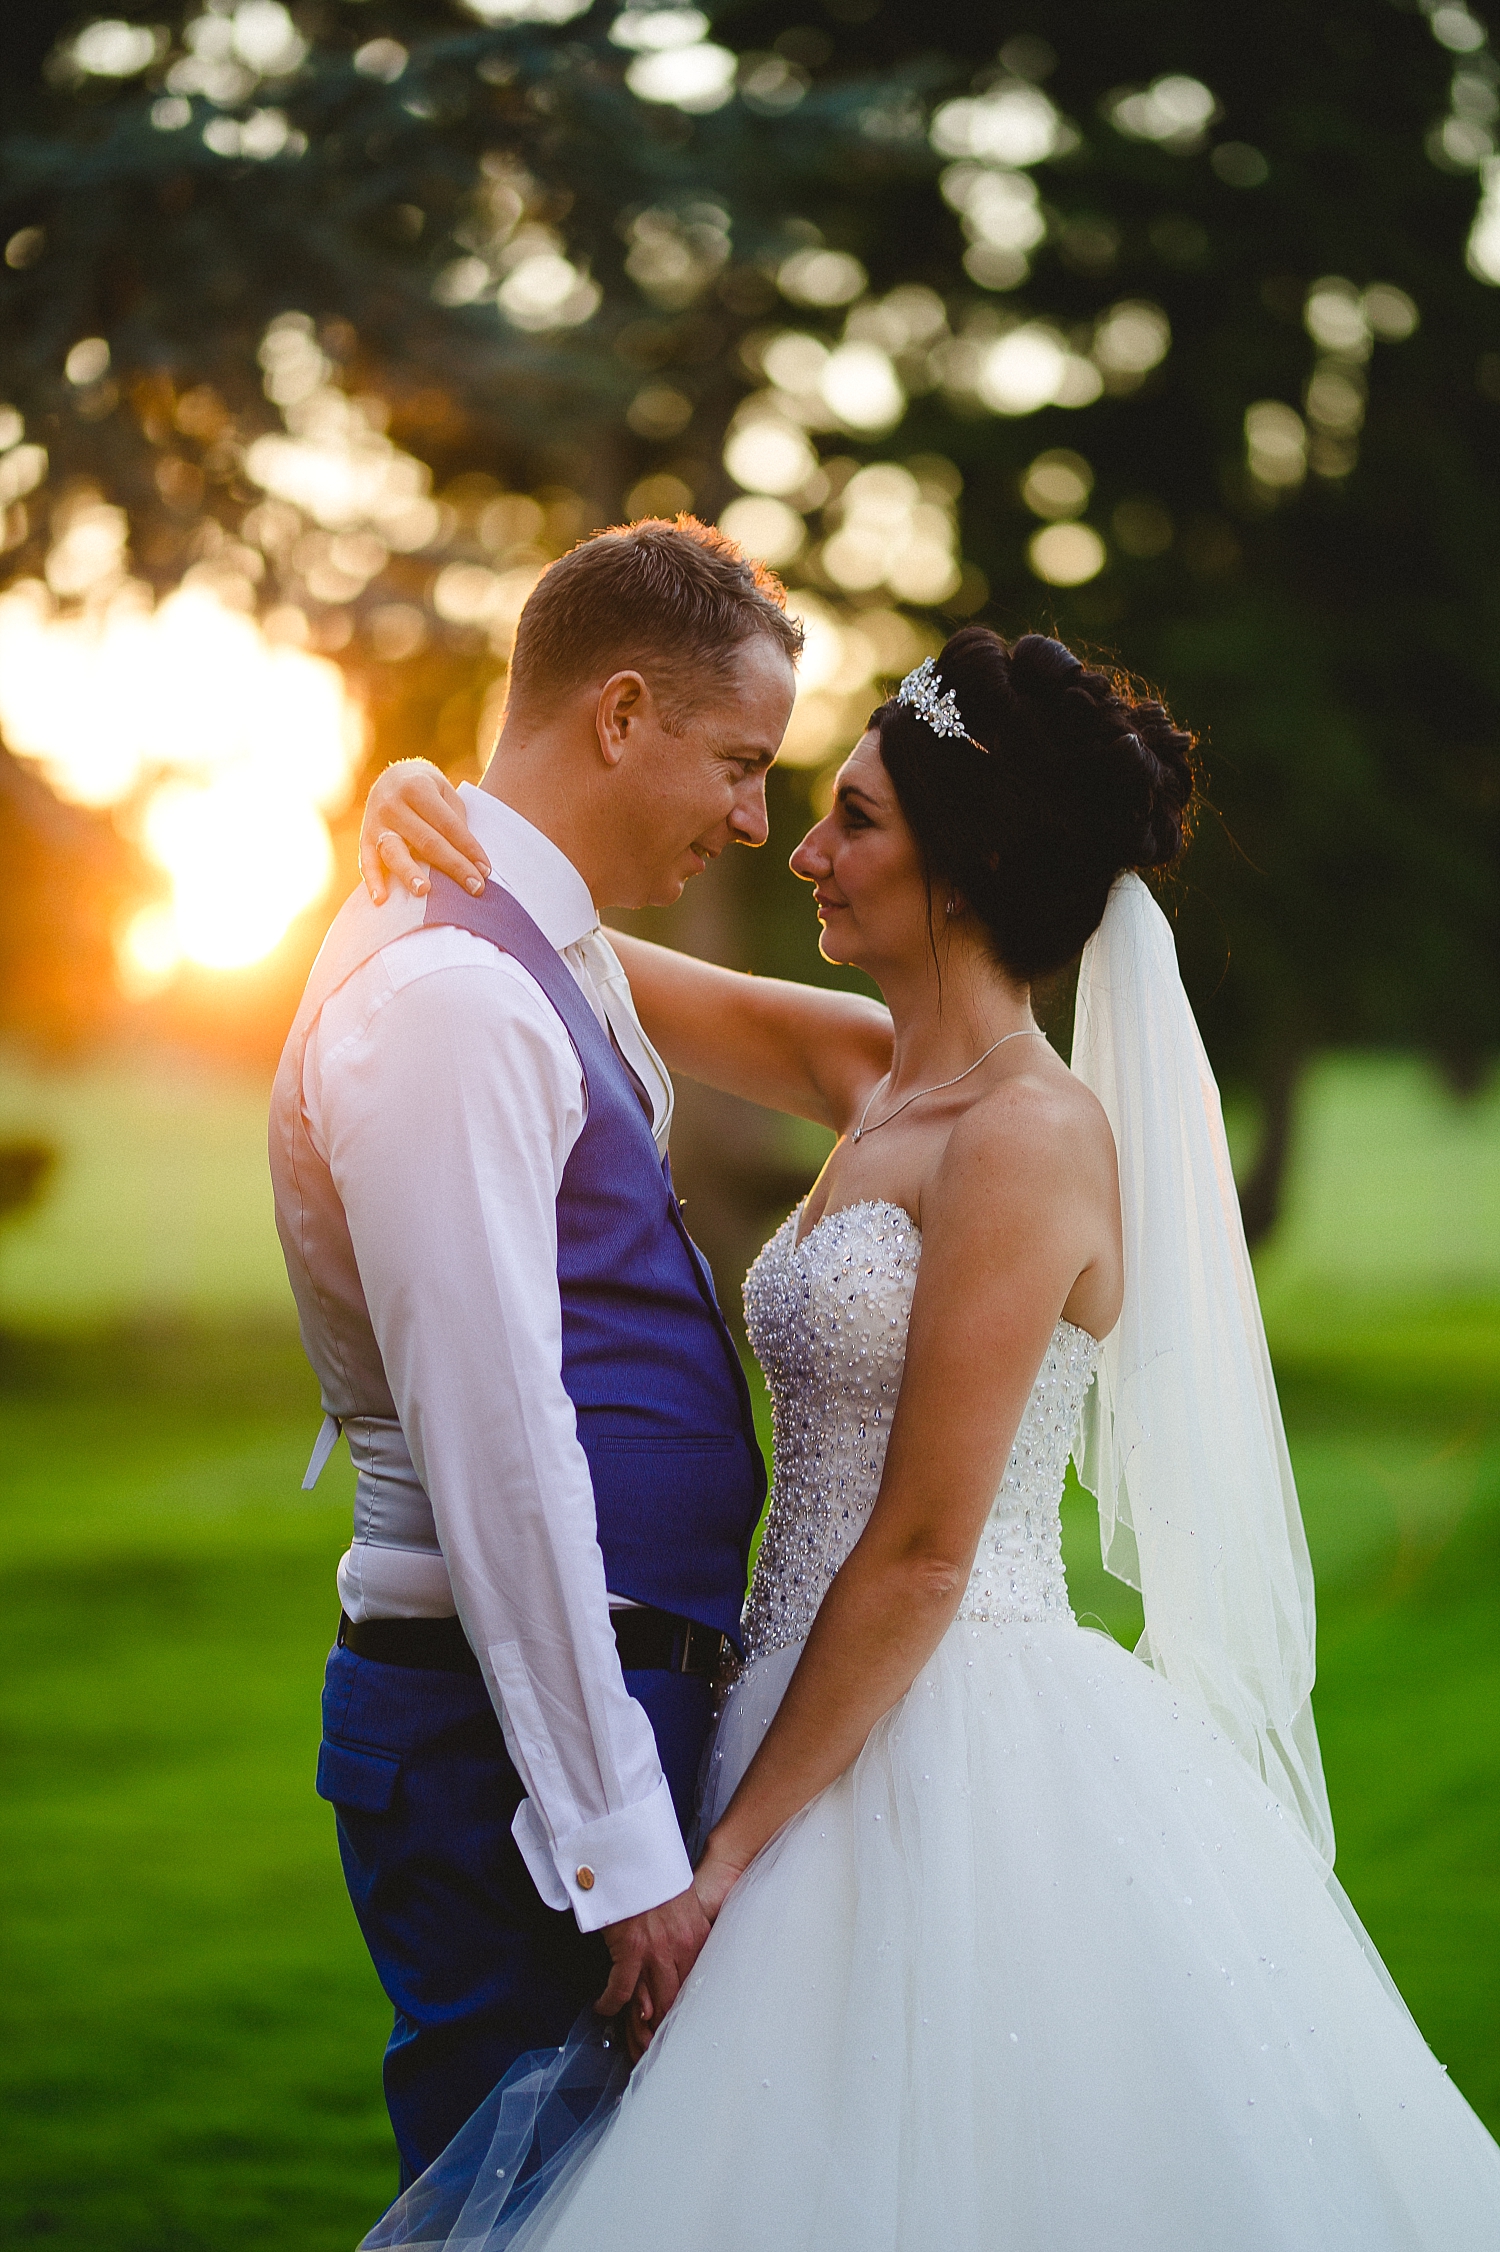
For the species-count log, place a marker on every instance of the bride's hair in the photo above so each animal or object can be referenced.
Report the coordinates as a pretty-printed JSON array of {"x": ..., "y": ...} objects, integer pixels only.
[{"x": 1080, "y": 775}]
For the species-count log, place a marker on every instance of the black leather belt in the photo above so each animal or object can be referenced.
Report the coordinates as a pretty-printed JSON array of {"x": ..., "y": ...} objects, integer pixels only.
[
  {"x": 648, "y": 1641},
  {"x": 654, "y": 1641}
]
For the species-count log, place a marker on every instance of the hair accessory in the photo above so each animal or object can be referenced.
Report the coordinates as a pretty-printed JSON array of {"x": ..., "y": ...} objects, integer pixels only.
[{"x": 920, "y": 690}]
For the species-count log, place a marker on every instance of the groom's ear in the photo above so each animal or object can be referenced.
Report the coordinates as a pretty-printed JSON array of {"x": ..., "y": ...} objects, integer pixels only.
[{"x": 623, "y": 703}]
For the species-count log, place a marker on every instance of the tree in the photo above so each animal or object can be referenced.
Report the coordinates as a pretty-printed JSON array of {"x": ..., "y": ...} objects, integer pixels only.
[{"x": 1171, "y": 304}]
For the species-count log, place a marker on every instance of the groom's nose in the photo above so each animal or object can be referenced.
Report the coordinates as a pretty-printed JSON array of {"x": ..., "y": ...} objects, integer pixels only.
[{"x": 748, "y": 817}]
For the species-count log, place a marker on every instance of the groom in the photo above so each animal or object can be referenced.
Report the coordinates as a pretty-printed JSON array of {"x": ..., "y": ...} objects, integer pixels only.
[{"x": 557, "y": 1469}]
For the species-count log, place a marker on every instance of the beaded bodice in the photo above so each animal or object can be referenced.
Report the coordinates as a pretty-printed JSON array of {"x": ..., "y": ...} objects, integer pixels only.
[{"x": 827, "y": 1318}]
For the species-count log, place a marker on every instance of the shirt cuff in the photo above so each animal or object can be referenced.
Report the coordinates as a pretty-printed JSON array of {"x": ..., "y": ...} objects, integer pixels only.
[{"x": 619, "y": 1866}]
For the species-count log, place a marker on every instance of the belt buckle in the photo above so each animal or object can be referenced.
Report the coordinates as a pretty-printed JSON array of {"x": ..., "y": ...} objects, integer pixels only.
[{"x": 717, "y": 1642}]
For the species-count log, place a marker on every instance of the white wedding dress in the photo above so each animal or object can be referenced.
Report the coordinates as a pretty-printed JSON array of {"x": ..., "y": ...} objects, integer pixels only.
[{"x": 1048, "y": 1969}]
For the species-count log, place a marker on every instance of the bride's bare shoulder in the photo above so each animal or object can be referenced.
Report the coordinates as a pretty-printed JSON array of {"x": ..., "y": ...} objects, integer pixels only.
[
  {"x": 1028, "y": 1196},
  {"x": 1039, "y": 1130}
]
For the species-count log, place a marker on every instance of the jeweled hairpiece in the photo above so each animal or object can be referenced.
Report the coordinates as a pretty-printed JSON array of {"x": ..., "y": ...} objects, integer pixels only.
[{"x": 922, "y": 691}]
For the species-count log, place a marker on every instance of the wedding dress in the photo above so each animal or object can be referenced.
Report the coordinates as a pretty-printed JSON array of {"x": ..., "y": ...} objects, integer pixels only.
[
  {"x": 1048, "y": 1968},
  {"x": 1059, "y": 1962}
]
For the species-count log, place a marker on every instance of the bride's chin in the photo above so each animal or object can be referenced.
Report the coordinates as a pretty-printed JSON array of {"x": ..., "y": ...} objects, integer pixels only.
[{"x": 832, "y": 948}]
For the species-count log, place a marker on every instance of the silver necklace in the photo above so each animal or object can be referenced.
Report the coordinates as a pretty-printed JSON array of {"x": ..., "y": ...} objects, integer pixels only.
[{"x": 1027, "y": 1032}]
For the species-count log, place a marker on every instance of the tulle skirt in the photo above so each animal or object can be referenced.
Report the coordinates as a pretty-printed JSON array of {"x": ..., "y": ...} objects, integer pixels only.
[{"x": 1046, "y": 1971}]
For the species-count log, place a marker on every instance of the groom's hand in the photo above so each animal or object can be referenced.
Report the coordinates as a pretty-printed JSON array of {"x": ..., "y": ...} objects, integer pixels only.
[{"x": 651, "y": 1955}]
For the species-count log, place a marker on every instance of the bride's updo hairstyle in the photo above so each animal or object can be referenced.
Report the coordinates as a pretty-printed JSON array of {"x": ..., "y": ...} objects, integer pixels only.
[{"x": 1079, "y": 777}]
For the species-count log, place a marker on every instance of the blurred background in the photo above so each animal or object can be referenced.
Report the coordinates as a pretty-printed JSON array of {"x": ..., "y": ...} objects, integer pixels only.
[{"x": 325, "y": 326}]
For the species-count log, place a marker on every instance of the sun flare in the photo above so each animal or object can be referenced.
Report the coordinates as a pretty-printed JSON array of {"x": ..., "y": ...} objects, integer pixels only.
[{"x": 220, "y": 752}]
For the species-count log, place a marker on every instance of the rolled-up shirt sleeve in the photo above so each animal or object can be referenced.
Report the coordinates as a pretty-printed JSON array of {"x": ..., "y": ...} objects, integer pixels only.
[{"x": 446, "y": 1115}]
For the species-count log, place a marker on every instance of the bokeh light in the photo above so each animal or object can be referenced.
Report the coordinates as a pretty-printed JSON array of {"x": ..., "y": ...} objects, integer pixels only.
[
  {"x": 1483, "y": 253},
  {"x": 1275, "y": 445},
  {"x": 1002, "y": 216},
  {"x": 894, "y": 530},
  {"x": 525, "y": 11},
  {"x": 1024, "y": 370},
  {"x": 1392, "y": 315},
  {"x": 1335, "y": 398},
  {"x": 1058, "y": 483},
  {"x": 768, "y": 454},
  {"x": 1130, "y": 339},
  {"x": 861, "y": 388},
  {"x": 1458, "y": 30},
  {"x": 845, "y": 660},
  {"x": 821, "y": 277},
  {"x": 385, "y": 59},
  {"x": 1334, "y": 316},
  {"x": 1174, "y": 111},
  {"x": 795, "y": 362},
  {"x": 674, "y": 255},
  {"x": 335, "y": 463},
  {"x": 88, "y": 362},
  {"x": 229, "y": 52},
  {"x": 545, "y": 291},
  {"x": 655, "y": 30},
  {"x": 471, "y": 594},
  {"x": 1066, "y": 554},
  {"x": 688, "y": 72},
  {"x": 111, "y": 49},
  {"x": 1013, "y": 124},
  {"x": 766, "y": 529}
]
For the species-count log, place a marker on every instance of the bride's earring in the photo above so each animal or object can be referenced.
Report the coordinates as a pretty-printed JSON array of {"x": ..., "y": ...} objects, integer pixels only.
[{"x": 952, "y": 905}]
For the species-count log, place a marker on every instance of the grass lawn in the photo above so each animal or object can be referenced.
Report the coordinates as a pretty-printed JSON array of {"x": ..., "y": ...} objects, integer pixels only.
[{"x": 189, "y": 2028}]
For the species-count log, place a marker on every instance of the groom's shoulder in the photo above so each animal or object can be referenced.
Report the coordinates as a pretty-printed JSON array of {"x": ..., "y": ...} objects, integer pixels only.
[
  {"x": 358, "y": 934},
  {"x": 374, "y": 954}
]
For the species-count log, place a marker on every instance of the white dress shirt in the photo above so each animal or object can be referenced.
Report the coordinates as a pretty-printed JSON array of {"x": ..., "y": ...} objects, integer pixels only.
[{"x": 445, "y": 1095}]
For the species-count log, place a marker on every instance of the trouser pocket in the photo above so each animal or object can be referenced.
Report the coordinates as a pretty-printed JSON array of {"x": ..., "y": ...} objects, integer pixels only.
[{"x": 353, "y": 1775}]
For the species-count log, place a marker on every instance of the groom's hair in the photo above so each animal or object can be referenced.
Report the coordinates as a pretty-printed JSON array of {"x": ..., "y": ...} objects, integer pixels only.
[{"x": 671, "y": 601}]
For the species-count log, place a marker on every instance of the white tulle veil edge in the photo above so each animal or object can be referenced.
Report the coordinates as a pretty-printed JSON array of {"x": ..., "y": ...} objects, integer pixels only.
[{"x": 1182, "y": 1440}]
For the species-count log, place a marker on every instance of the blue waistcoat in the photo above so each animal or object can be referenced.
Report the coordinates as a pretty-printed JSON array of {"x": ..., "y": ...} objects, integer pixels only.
[{"x": 662, "y": 1406}]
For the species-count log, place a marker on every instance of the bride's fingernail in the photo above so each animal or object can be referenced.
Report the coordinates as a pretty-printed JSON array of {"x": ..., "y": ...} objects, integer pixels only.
[{"x": 475, "y": 884}]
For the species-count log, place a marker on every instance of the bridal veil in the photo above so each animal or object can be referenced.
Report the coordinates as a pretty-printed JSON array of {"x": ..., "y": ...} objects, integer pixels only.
[{"x": 1182, "y": 1440}]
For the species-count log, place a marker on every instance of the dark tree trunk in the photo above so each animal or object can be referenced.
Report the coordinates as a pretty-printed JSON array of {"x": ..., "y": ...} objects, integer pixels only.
[
  {"x": 24, "y": 1168},
  {"x": 1260, "y": 1197},
  {"x": 1465, "y": 1069}
]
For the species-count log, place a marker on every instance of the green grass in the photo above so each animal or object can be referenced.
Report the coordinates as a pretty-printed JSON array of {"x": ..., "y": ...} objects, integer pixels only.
[
  {"x": 161, "y": 1204},
  {"x": 189, "y": 2028}
]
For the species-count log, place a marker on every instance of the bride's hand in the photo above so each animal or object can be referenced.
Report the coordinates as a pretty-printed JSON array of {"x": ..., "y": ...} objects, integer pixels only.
[
  {"x": 414, "y": 822},
  {"x": 715, "y": 1878}
]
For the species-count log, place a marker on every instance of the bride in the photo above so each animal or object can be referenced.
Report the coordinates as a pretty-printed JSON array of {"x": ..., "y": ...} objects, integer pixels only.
[{"x": 1019, "y": 1942}]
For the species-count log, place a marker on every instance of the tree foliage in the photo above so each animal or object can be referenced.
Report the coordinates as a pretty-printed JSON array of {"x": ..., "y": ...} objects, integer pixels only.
[{"x": 1325, "y": 615}]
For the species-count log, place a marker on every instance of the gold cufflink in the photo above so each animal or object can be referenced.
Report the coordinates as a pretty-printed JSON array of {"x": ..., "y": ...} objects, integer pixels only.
[{"x": 585, "y": 1878}]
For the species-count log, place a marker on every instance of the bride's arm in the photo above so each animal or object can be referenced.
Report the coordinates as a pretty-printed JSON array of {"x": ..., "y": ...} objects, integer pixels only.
[
  {"x": 798, "y": 1048},
  {"x": 1010, "y": 1223}
]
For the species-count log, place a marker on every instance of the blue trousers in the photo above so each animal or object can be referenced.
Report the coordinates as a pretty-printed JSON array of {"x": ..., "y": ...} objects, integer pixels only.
[{"x": 477, "y": 1968}]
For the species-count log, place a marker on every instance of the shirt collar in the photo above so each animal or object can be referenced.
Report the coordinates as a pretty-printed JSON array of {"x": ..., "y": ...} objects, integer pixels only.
[{"x": 532, "y": 868}]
